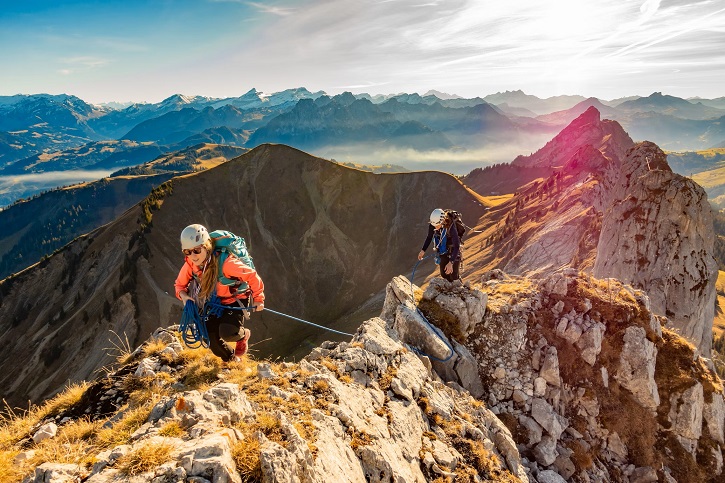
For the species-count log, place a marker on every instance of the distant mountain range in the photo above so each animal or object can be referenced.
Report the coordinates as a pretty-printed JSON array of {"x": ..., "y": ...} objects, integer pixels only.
[{"x": 42, "y": 133}]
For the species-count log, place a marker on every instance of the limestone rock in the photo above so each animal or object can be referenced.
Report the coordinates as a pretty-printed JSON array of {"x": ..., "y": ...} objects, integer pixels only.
[
  {"x": 637, "y": 367},
  {"x": 668, "y": 252},
  {"x": 467, "y": 370},
  {"x": 550, "y": 420},
  {"x": 590, "y": 343},
  {"x": 714, "y": 416},
  {"x": 46, "y": 431},
  {"x": 550, "y": 367},
  {"x": 414, "y": 330},
  {"x": 56, "y": 473},
  {"x": 686, "y": 410},
  {"x": 467, "y": 306},
  {"x": 644, "y": 474},
  {"x": 398, "y": 292},
  {"x": 545, "y": 452},
  {"x": 549, "y": 476}
]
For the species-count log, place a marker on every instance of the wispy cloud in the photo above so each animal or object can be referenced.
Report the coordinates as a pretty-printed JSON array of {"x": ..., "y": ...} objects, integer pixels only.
[
  {"x": 281, "y": 11},
  {"x": 261, "y": 7},
  {"x": 85, "y": 61},
  {"x": 669, "y": 32},
  {"x": 74, "y": 65},
  {"x": 365, "y": 85},
  {"x": 467, "y": 47}
]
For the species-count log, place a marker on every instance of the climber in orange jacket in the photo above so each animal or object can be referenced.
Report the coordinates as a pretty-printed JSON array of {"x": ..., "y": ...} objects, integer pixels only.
[{"x": 197, "y": 281}]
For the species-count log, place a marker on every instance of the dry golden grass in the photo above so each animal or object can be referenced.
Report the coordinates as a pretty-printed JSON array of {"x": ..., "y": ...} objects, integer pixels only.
[
  {"x": 241, "y": 372},
  {"x": 320, "y": 386},
  {"x": 246, "y": 455},
  {"x": 485, "y": 462},
  {"x": 172, "y": 429},
  {"x": 81, "y": 429},
  {"x": 64, "y": 451},
  {"x": 582, "y": 459},
  {"x": 270, "y": 425},
  {"x": 16, "y": 426},
  {"x": 358, "y": 438},
  {"x": 200, "y": 370},
  {"x": 148, "y": 456},
  {"x": 386, "y": 379},
  {"x": 497, "y": 200},
  {"x": 153, "y": 347},
  {"x": 328, "y": 363},
  {"x": 120, "y": 349},
  {"x": 122, "y": 429},
  {"x": 9, "y": 471},
  {"x": 298, "y": 407}
]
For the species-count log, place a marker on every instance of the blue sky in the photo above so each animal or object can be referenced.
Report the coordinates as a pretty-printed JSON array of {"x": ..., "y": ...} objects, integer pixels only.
[{"x": 136, "y": 50}]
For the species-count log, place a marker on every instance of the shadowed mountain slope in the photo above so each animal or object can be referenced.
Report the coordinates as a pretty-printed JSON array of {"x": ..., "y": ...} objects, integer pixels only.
[
  {"x": 324, "y": 238},
  {"x": 97, "y": 155},
  {"x": 34, "y": 228}
]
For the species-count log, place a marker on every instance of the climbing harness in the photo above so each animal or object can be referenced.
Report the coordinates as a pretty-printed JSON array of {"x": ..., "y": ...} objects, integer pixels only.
[
  {"x": 439, "y": 248},
  {"x": 435, "y": 329}
]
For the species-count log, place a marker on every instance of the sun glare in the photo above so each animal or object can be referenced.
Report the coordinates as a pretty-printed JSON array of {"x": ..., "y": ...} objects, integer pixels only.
[{"x": 564, "y": 20}]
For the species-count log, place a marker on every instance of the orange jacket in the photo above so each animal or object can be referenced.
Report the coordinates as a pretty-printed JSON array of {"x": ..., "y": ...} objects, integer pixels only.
[{"x": 232, "y": 268}]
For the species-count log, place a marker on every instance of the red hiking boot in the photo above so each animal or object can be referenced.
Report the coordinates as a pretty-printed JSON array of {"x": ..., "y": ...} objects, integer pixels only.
[{"x": 241, "y": 347}]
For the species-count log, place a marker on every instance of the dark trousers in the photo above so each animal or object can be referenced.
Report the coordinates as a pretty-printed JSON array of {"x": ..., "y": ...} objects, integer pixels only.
[
  {"x": 456, "y": 266},
  {"x": 228, "y": 327}
]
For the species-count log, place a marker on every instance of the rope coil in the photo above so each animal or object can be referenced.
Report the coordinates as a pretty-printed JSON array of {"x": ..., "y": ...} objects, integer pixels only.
[{"x": 193, "y": 327}]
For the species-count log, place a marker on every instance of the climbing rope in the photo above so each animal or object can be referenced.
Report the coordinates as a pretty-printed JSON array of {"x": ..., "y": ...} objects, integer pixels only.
[
  {"x": 435, "y": 329},
  {"x": 193, "y": 327},
  {"x": 306, "y": 322},
  {"x": 215, "y": 307}
]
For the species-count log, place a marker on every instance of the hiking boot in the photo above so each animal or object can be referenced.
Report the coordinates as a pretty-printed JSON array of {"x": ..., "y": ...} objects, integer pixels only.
[{"x": 241, "y": 347}]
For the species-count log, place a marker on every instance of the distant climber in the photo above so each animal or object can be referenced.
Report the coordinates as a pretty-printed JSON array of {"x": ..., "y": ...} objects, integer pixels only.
[
  {"x": 445, "y": 233},
  {"x": 234, "y": 283}
]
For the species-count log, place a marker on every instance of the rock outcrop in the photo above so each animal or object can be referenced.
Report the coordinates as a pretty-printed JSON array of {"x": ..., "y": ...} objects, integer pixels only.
[
  {"x": 657, "y": 235},
  {"x": 368, "y": 410},
  {"x": 614, "y": 209},
  {"x": 591, "y": 385}
]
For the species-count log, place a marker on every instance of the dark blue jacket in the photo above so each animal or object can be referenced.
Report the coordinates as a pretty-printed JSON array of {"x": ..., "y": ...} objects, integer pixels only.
[{"x": 453, "y": 242}]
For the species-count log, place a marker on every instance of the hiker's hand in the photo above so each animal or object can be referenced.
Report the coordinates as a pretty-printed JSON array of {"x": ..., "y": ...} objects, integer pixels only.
[
  {"x": 259, "y": 307},
  {"x": 421, "y": 255},
  {"x": 449, "y": 268},
  {"x": 184, "y": 297}
]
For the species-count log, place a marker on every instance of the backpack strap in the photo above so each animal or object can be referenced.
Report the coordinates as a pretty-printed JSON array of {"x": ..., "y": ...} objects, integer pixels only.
[{"x": 229, "y": 282}]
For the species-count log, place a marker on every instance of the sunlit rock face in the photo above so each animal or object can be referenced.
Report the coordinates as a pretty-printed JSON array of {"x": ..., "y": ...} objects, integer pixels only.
[
  {"x": 657, "y": 235},
  {"x": 615, "y": 209},
  {"x": 606, "y": 136}
]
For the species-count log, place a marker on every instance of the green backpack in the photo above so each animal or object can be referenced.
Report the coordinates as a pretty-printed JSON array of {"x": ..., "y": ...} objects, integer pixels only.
[{"x": 226, "y": 242}]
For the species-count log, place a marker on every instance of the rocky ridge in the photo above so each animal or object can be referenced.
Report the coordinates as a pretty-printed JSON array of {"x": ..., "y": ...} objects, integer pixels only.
[
  {"x": 565, "y": 378},
  {"x": 588, "y": 379},
  {"x": 615, "y": 209},
  {"x": 358, "y": 411}
]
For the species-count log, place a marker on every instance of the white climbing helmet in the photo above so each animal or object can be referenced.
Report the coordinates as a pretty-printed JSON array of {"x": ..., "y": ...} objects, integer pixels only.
[
  {"x": 437, "y": 216},
  {"x": 192, "y": 236}
]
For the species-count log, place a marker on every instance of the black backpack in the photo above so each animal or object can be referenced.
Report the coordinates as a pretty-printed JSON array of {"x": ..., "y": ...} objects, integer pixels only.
[{"x": 457, "y": 219}]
